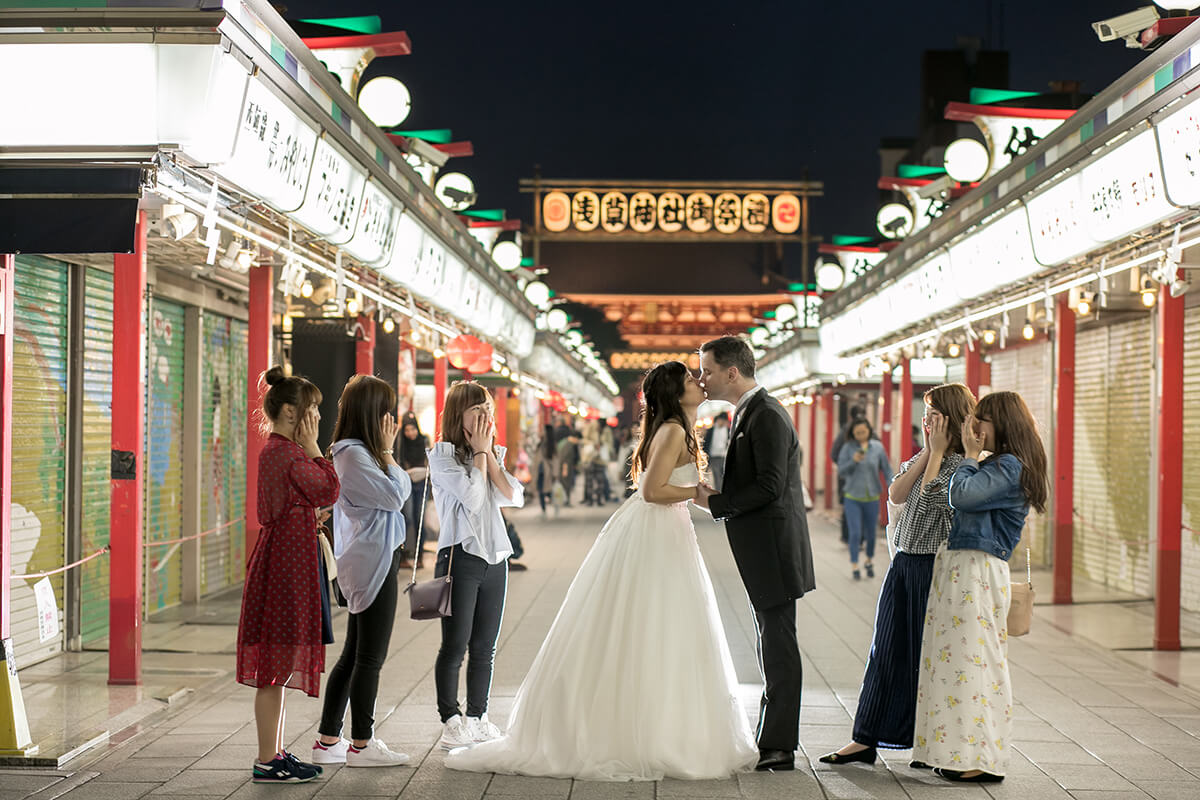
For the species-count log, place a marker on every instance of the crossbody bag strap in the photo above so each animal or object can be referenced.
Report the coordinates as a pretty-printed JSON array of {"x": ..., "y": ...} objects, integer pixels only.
[{"x": 420, "y": 527}]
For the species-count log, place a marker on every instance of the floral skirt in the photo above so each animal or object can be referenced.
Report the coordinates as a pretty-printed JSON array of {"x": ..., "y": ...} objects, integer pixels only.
[{"x": 964, "y": 694}]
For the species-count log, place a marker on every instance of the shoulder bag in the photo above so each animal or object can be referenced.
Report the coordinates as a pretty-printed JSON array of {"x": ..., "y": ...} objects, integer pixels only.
[
  {"x": 1020, "y": 609},
  {"x": 429, "y": 599}
]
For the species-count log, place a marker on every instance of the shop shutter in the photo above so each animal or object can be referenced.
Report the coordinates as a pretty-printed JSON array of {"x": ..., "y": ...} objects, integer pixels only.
[
  {"x": 39, "y": 434},
  {"x": 1029, "y": 371},
  {"x": 223, "y": 449},
  {"x": 163, "y": 474},
  {"x": 97, "y": 447},
  {"x": 1113, "y": 419},
  {"x": 1191, "y": 461}
]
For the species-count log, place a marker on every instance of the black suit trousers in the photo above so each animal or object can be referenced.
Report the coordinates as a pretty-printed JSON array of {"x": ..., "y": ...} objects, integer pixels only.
[{"x": 779, "y": 662}]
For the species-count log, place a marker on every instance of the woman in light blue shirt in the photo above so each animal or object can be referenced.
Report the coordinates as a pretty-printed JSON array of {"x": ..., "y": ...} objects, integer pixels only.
[
  {"x": 860, "y": 462},
  {"x": 368, "y": 524}
]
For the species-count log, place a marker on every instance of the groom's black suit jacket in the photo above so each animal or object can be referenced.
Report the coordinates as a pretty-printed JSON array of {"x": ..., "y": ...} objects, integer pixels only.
[{"x": 762, "y": 505}]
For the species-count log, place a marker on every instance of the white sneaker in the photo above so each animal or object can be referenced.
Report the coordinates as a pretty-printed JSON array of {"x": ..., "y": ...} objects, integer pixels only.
[
  {"x": 455, "y": 734},
  {"x": 481, "y": 729},
  {"x": 330, "y": 753},
  {"x": 375, "y": 754}
]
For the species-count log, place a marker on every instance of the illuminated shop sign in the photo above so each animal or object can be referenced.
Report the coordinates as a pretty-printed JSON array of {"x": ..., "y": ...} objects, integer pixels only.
[
  {"x": 588, "y": 211},
  {"x": 273, "y": 153},
  {"x": 635, "y": 359},
  {"x": 335, "y": 190}
]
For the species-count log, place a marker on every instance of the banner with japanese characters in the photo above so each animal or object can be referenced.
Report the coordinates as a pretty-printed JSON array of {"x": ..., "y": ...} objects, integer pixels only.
[{"x": 628, "y": 213}]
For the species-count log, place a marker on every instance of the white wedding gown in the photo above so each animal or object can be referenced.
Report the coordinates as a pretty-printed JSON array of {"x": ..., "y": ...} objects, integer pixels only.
[{"x": 634, "y": 681}]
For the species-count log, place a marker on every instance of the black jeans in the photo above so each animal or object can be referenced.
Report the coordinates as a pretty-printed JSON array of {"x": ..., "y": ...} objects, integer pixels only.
[
  {"x": 355, "y": 677},
  {"x": 783, "y": 673},
  {"x": 477, "y": 606},
  {"x": 412, "y": 521}
]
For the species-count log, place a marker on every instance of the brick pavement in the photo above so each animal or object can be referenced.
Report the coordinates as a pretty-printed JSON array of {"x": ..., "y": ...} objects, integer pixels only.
[{"x": 1089, "y": 723}]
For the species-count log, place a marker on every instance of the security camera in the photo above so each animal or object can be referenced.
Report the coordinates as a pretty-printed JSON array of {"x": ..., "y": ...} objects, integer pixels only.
[
  {"x": 177, "y": 223},
  {"x": 1126, "y": 26}
]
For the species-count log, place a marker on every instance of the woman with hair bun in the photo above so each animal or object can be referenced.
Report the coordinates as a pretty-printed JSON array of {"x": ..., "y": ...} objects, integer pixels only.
[{"x": 283, "y": 628}]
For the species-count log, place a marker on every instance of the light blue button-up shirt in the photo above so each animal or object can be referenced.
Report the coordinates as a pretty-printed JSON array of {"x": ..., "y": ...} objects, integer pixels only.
[{"x": 368, "y": 521}]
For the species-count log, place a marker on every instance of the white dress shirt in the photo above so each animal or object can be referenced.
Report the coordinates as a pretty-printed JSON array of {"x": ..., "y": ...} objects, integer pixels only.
[
  {"x": 741, "y": 404},
  {"x": 468, "y": 505}
]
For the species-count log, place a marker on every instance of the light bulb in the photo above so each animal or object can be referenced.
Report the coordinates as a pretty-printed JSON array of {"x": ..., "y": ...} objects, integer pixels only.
[
  {"x": 1027, "y": 332},
  {"x": 245, "y": 259},
  {"x": 954, "y": 349},
  {"x": 1148, "y": 298},
  {"x": 989, "y": 337},
  {"x": 389, "y": 325},
  {"x": 307, "y": 289},
  {"x": 439, "y": 352},
  {"x": 1083, "y": 308},
  {"x": 352, "y": 306}
]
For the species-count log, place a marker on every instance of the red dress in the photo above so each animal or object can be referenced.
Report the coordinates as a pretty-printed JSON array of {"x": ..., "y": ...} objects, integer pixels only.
[{"x": 279, "y": 634}]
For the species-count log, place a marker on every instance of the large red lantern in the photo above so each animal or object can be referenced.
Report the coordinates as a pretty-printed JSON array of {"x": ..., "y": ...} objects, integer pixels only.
[
  {"x": 463, "y": 351},
  {"x": 483, "y": 360}
]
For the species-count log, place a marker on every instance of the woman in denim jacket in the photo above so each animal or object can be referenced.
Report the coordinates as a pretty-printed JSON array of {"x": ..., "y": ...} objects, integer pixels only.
[{"x": 964, "y": 696}]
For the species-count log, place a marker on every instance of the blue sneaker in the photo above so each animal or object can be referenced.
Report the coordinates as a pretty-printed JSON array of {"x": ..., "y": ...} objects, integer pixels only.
[
  {"x": 281, "y": 770},
  {"x": 292, "y": 758}
]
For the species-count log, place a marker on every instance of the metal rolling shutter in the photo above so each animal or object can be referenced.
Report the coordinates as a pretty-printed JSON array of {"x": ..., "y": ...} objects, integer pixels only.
[
  {"x": 223, "y": 440},
  {"x": 39, "y": 446},
  {"x": 163, "y": 474},
  {"x": 97, "y": 448},
  {"x": 1029, "y": 371},
  {"x": 1190, "y": 599},
  {"x": 1113, "y": 418}
]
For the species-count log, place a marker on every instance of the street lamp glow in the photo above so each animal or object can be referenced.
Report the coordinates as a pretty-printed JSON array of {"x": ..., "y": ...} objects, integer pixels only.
[
  {"x": 966, "y": 160},
  {"x": 785, "y": 312},
  {"x": 830, "y": 276},
  {"x": 1177, "y": 5},
  {"x": 537, "y": 293},
  {"x": 759, "y": 335},
  {"x": 507, "y": 255},
  {"x": 385, "y": 101},
  {"x": 557, "y": 320}
]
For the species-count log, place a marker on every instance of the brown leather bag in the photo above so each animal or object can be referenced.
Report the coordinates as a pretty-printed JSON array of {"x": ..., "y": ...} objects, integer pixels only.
[
  {"x": 1020, "y": 609},
  {"x": 429, "y": 599}
]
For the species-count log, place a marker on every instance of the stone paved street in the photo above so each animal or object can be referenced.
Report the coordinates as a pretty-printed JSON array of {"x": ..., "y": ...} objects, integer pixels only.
[{"x": 1089, "y": 723}]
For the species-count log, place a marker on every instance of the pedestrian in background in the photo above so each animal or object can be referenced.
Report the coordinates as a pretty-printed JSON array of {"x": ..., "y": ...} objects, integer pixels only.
[
  {"x": 964, "y": 699},
  {"x": 888, "y": 699},
  {"x": 369, "y": 528},
  {"x": 860, "y": 464},
  {"x": 716, "y": 445},
  {"x": 284, "y": 623},
  {"x": 856, "y": 413},
  {"x": 546, "y": 473},
  {"x": 470, "y": 485},
  {"x": 413, "y": 445}
]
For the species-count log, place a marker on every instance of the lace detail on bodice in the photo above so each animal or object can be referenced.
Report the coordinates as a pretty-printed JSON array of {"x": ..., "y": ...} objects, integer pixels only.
[{"x": 685, "y": 477}]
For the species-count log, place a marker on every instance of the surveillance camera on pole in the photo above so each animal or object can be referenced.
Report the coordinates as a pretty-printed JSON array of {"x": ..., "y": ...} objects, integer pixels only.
[{"x": 1127, "y": 26}]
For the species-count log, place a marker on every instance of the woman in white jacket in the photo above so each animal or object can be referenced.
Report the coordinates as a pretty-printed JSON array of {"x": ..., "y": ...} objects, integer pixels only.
[{"x": 470, "y": 485}]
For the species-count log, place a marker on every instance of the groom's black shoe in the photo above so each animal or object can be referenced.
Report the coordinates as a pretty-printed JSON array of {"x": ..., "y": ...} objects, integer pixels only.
[{"x": 775, "y": 761}]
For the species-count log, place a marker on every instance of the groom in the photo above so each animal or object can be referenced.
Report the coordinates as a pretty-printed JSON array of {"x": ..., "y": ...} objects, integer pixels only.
[{"x": 762, "y": 505}]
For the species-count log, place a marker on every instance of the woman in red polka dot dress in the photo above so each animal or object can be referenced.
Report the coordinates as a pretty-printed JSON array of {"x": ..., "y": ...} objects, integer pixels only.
[{"x": 280, "y": 634}]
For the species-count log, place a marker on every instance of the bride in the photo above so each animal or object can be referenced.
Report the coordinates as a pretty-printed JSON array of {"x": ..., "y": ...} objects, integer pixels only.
[{"x": 634, "y": 681}]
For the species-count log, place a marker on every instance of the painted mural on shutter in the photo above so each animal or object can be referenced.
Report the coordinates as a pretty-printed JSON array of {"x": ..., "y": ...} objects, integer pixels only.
[
  {"x": 223, "y": 448},
  {"x": 39, "y": 433},
  {"x": 1029, "y": 371},
  {"x": 163, "y": 475},
  {"x": 97, "y": 449},
  {"x": 1113, "y": 419},
  {"x": 1190, "y": 556}
]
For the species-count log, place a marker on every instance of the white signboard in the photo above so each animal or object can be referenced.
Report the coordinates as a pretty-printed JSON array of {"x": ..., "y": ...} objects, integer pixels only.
[
  {"x": 273, "y": 154},
  {"x": 406, "y": 253},
  {"x": 455, "y": 277},
  {"x": 47, "y": 610},
  {"x": 335, "y": 190},
  {"x": 993, "y": 256},
  {"x": 431, "y": 267},
  {"x": 1123, "y": 190},
  {"x": 1179, "y": 143},
  {"x": 1057, "y": 222},
  {"x": 1010, "y": 137},
  {"x": 378, "y": 219}
]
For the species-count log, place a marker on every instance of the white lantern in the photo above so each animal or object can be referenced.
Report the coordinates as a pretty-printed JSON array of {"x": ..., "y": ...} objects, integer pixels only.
[
  {"x": 1177, "y": 5},
  {"x": 894, "y": 220},
  {"x": 455, "y": 190},
  {"x": 966, "y": 160},
  {"x": 537, "y": 293},
  {"x": 385, "y": 101},
  {"x": 759, "y": 336},
  {"x": 507, "y": 255},
  {"x": 830, "y": 276},
  {"x": 557, "y": 320}
]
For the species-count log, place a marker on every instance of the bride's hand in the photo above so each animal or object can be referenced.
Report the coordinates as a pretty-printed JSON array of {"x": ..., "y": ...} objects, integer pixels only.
[{"x": 703, "y": 492}]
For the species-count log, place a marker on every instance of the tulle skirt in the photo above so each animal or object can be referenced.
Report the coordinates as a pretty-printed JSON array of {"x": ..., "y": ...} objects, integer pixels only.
[{"x": 634, "y": 681}]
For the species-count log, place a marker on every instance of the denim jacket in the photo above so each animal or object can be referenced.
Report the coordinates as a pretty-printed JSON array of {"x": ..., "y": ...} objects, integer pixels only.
[{"x": 989, "y": 506}]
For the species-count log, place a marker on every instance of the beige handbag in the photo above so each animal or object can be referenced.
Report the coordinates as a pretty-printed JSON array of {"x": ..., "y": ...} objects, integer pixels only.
[{"x": 1020, "y": 611}]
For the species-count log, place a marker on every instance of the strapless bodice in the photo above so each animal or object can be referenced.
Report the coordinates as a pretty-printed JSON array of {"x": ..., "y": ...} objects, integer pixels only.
[{"x": 686, "y": 476}]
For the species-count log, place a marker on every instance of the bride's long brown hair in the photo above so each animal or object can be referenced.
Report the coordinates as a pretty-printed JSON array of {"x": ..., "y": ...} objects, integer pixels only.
[{"x": 662, "y": 390}]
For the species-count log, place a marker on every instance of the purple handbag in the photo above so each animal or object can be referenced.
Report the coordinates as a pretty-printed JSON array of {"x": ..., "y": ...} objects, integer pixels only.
[{"x": 429, "y": 599}]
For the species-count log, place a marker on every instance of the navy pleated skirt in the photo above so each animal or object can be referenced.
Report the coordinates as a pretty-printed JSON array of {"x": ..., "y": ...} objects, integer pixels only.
[{"x": 888, "y": 700}]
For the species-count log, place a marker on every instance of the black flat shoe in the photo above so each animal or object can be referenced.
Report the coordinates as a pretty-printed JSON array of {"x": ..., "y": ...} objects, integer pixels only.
[
  {"x": 870, "y": 570},
  {"x": 775, "y": 761},
  {"x": 960, "y": 777},
  {"x": 865, "y": 756},
  {"x": 918, "y": 765},
  {"x": 857, "y": 575}
]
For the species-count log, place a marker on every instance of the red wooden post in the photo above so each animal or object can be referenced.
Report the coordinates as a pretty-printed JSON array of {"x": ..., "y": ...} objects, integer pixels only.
[
  {"x": 885, "y": 414},
  {"x": 128, "y": 434},
  {"x": 502, "y": 416},
  {"x": 364, "y": 348},
  {"x": 830, "y": 424},
  {"x": 906, "y": 403},
  {"x": 812, "y": 446},
  {"x": 974, "y": 368},
  {"x": 258, "y": 361},
  {"x": 1064, "y": 451},
  {"x": 439, "y": 392},
  {"x": 1169, "y": 388},
  {"x": 8, "y": 277}
]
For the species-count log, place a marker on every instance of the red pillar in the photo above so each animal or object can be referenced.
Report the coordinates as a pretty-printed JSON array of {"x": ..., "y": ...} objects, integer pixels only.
[
  {"x": 8, "y": 276},
  {"x": 830, "y": 424},
  {"x": 364, "y": 348},
  {"x": 439, "y": 392},
  {"x": 1169, "y": 429},
  {"x": 502, "y": 416},
  {"x": 974, "y": 368},
  {"x": 885, "y": 413},
  {"x": 906, "y": 401},
  {"x": 128, "y": 418},
  {"x": 258, "y": 361},
  {"x": 812, "y": 447},
  {"x": 1064, "y": 450}
]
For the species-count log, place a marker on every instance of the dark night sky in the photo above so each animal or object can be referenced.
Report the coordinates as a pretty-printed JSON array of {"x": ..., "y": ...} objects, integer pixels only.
[{"x": 707, "y": 90}]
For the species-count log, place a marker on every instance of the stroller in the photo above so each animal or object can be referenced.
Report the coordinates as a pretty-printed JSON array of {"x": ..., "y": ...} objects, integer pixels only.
[{"x": 596, "y": 488}]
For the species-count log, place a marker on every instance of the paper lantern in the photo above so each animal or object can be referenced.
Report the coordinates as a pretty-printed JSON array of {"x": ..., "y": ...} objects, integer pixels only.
[
  {"x": 483, "y": 359},
  {"x": 462, "y": 351}
]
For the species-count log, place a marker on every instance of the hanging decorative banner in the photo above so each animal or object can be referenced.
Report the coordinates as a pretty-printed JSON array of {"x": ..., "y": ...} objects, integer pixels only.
[
  {"x": 556, "y": 211},
  {"x": 47, "y": 608}
]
